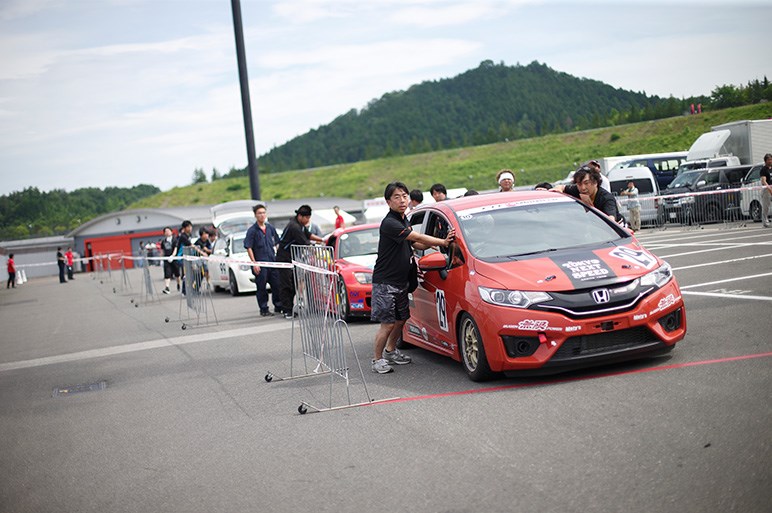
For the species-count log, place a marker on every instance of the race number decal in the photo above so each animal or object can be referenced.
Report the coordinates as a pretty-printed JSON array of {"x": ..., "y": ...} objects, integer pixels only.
[{"x": 442, "y": 309}]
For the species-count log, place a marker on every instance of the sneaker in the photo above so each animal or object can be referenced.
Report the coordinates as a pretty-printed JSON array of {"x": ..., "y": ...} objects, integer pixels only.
[
  {"x": 287, "y": 315},
  {"x": 397, "y": 357},
  {"x": 267, "y": 313},
  {"x": 381, "y": 366},
  {"x": 166, "y": 290}
]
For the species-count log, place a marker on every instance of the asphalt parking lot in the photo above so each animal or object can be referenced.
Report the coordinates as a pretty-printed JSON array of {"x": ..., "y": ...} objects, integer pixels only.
[{"x": 185, "y": 422}]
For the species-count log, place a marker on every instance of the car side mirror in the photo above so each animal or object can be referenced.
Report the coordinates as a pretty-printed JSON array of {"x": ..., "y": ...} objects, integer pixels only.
[
  {"x": 434, "y": 262},
  {"x": 701, "y": 183}
]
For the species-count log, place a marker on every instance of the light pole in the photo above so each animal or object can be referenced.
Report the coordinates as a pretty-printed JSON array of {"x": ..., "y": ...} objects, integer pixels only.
[{"x": 254, "y": 177}]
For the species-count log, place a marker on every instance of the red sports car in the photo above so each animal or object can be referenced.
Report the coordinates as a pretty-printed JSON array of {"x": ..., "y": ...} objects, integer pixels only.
[
  {"x": 355, "y": 251},
  {"x": 538, "y": 282}
]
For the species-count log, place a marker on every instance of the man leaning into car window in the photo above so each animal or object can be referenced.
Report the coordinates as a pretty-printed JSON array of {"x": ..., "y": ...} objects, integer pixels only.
[
  {"x": 390, "y": 276},
  {"x": 586, "y": 187}
]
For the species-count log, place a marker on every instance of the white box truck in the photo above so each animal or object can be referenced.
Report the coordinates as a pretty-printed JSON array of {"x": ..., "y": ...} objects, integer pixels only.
[{"x": 749, "y": 140}]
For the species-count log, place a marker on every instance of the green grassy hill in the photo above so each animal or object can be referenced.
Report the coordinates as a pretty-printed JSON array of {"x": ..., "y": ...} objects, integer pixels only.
[{"x": 547, "y": 158}]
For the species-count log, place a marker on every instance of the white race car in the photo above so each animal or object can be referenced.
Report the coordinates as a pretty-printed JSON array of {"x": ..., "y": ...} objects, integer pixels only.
[{"x": 236, "y": 277}]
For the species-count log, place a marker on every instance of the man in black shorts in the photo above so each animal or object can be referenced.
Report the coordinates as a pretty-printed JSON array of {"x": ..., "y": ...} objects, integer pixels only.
[
  {"x": 171, "y": 270},
  {"x": 390, "y": 276}
]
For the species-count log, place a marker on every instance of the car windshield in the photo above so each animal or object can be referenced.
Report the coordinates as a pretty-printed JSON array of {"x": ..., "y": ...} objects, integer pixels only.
[
  {"x": 685, "y": 180},
  {"x": 506, "y": 232},
  {"x": 238, "y": 245},
  {"x": 238, "y": 224},
  {"x": 357, "y": 243}
]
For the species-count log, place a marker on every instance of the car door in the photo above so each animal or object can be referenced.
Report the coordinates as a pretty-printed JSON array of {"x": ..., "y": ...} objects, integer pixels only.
[
  {"x": 437, "y": 295},
  {"x": 219, "y": 271}
]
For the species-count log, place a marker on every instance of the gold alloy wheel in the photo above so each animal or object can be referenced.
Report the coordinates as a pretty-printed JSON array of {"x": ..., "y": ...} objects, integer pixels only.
[{"x": 471, "y": 338}]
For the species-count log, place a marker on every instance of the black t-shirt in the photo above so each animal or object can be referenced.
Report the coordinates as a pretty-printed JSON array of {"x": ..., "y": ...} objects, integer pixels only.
[
  {"x": 168, "y": 245},
  {"x": 604, "y": 200},
  {"x": 59, "y": 258},
  {"x": 183, "y": 241},
  {"x": 394, "y": 251},
  {"x": 766, "y": 171},
  {"x": 204, "y": 245},
  {"x": 294, "y": 234}
]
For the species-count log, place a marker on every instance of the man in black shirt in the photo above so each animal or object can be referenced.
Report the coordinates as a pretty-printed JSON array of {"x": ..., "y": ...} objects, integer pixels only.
[
  {"x": 586, "y": 187},
  {"x": 390, "y": 276},
  {"x": 171, "y": 269},
  {"x": 766, "y": 194},
  {"x": 295, "y": 233},
  {"x": 183, "y": 241},
  {"x": 60, "y": 263}
]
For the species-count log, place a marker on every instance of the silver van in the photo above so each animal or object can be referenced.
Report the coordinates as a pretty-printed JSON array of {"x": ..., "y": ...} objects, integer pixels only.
[{"x": 652, "y": 208}]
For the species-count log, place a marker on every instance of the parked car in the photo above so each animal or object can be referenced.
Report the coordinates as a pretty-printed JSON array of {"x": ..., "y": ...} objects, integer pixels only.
[
  {"x": 710, "y": 206},
  {"x": 750, "y": 200},
  {"x": 663, "y": 166},
  {"x": 538, "y": 282},
  {"x": 236, "y": 277},
  {"x": 355, "y": 249},
  {"x": 652, "y": 209}
]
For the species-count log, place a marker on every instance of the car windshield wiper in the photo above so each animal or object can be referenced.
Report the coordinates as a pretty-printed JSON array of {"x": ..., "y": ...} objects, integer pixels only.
[{"x": 530, "y": 253}]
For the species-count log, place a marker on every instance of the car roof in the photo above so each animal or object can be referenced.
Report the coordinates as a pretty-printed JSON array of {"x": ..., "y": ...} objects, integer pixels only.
[{"x": 495, "y": 198}]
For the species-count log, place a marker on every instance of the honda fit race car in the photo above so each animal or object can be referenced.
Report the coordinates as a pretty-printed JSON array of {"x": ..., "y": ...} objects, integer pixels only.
[
  {"x": 538, "y": 282},
  {"x": 355, "y": 250}
]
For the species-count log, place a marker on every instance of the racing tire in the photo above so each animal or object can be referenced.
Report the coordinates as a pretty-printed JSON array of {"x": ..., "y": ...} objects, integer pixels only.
[
  {"x": 343, "y": 305},
  {"x": 233, "y": 285},
  {"x": 473, "y": 356},
  {"x": 755, "y": 211}
]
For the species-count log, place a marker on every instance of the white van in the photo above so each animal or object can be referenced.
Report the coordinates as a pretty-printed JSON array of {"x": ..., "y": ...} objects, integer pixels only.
[{"x": 652, "y": 208}]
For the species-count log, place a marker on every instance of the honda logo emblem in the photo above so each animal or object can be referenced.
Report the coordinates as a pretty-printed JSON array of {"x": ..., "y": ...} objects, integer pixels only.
[{"x": 601, "y": 296}]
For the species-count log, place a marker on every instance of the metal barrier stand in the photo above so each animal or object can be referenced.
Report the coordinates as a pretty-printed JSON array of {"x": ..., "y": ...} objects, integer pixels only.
[
  {"x": 321, "y": 330},
  {"x": 197, "y": 292},
  {"x": 148, "y": 293}
]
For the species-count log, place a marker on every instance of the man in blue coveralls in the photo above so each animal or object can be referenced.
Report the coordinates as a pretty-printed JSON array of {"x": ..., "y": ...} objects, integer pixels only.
[{"x": 260, "y": 243}]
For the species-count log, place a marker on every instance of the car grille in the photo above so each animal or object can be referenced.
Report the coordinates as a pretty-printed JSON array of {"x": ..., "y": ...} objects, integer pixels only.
[
  {"x": 580, "y": 304},
  {"x": 589, "y": 345}
]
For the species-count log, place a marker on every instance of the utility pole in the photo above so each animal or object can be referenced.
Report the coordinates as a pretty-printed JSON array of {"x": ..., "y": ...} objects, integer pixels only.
[{"x": 254, "y": 176}]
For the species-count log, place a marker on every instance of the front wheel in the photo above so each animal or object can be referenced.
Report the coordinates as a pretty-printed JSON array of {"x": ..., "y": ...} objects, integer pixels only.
[
  {"x": 472, "y": 350},
  {"x": 233, "y": 285},
  {"x": 343, "y": 306},
  {"x": 755, "y": 211}
]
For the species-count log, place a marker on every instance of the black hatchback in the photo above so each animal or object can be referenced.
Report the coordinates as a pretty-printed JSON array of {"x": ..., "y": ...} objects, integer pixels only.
[{"x": 705, "y": 195}]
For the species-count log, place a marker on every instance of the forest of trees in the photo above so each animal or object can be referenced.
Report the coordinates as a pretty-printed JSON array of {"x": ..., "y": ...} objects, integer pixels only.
[
  {"x": 32, "y": 213},
  {"x": 491, "y": 103}
]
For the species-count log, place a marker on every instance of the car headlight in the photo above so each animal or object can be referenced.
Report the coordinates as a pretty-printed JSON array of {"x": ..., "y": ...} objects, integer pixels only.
[
  {"x": 363, "y": 278},
  {"x": 245, "y": 267},
  {"x": 687, "y": 200},
  {"x": 658, "y": 277},
  {"x": 512, "y": 298}
]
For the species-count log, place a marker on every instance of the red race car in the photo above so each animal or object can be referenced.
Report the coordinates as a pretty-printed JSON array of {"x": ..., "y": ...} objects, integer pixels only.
[
  {"x": 355, "y": 250},
  {"x": 538, "y": 282}
]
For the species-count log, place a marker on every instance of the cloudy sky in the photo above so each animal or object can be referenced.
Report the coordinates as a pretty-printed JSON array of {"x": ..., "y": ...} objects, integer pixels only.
[{"x": 120, "y": 92}]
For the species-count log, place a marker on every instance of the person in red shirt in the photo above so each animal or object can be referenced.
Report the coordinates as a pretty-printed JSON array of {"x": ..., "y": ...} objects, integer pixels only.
[
  {"x": 68, "y": 256},
  {"x": 339, "y": 222},
  {"x": 11, "y": 273}
]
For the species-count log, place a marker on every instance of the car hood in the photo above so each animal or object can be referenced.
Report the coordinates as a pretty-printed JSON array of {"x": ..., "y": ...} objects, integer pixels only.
[
  {"x": 571, "y": 269},
  {"x": 676, "y": 190},
  {"x": 367, "y": 261}
]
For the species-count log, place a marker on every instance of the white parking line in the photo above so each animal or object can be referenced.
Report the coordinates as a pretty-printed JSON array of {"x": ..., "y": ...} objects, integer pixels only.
[
  {"x": 684, "y": 241},
  {"x": 142, "y": 346},
  {"x": 722, "y": 262},
  {"x": 734, "y": 246},
  {"x": 725, "y": 281},
  {"x": 730, "y": 296}
]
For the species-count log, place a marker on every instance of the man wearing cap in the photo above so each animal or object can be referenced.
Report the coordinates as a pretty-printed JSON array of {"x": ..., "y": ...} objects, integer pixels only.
[
  {"x": 295, "y": 233},
  {"x": 506, "y": 180}
]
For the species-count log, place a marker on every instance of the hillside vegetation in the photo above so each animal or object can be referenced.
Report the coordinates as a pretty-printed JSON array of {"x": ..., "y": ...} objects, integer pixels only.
[
  {"x": 546, "y": 158},
  {"x": 487, "y": 104}
]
